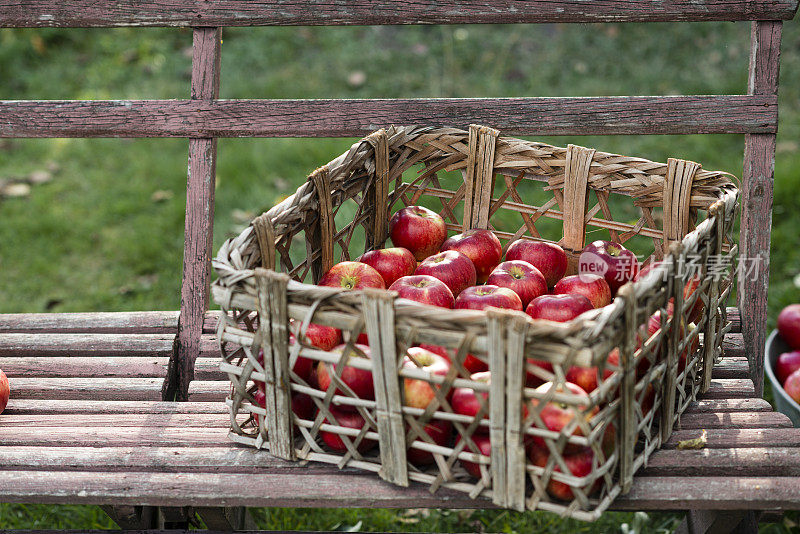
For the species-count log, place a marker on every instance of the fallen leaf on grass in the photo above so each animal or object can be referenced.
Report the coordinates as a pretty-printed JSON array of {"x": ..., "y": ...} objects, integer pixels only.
[
  {"x": 696, "y": 443},
  {"x": 16, "y": 190},
  {"x": 161, "y": 195},
  {"x": 39, "y": 177}
]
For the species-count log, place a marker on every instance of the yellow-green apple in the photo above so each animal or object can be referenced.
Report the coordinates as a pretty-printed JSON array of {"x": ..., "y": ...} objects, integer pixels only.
[
  {"x": 792, "y": 386},
  {"x": 488, "y": 296},
  {"x": 5, "y": 391},
  {"x": 417, "y": 392},
  {"x": 787, "y": 363},
  {"x": 789, "y": 325},
  {"x": 610, "y": 260},
  {"x": 425, "y": 289},
  {"x": 391, "y": 263},
  {"x": 557, "y": 415},
  {"x": 559, "y": 308},
  {"x": 439, "y": 432},
  {"x": 451, "y": 267},
  {"x": 358, "y": 380},
  {"x": 419, "y": 230},
  {"x": 348, "y": 420},
  {"x": 352, "y": 275},
  {"x": 579, "y": 464},
  {"x": 521, "y": 277},
  {"x": 465, "y": 400},
  {"x": 484, "y": 445},
  {"x": 480, "y": 246},
  {"x": 592, "y": 286},
  {"x": 549, "y": 258}
]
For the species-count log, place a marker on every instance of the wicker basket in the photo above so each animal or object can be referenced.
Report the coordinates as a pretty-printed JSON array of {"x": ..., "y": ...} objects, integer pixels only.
[{"x": 675, "y": 212}]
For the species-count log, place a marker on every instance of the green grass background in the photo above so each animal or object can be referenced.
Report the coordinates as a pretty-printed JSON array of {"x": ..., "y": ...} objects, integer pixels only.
[{"x": 95, "y": 238}]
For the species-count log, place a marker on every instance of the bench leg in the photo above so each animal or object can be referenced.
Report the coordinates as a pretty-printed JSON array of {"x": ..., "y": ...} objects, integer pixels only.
[
  {"x": 132, "y": 517},
  {"x": 719, "y": 522},
  {"x": 226, "y": 519},
  {"x": 176, "y": 518}
]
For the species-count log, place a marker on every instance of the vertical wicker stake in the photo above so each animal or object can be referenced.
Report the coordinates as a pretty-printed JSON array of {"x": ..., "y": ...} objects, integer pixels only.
[
  {"x": 712, "y": 310},
  {"x": 265, "y": 236},
  {"x": 627, "y": 437},
  {"x": 377, "y": 198},
  {"x": 677, "y": 196},
  {"x": 379, "y": 317},
  {"x": 273, "y": 332},
  {"x": 479, "y": 178},
  {"x": 496, "y": 329},
  {"x": 674, "y": 290},
  {"x": 515, "y": 438},
  {"x": 319, "y": 237},
  {"x": 576, "y": 200}
]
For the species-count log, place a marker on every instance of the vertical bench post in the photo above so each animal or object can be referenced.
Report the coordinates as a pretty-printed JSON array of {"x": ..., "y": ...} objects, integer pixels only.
[
  {"x": 198, "y": 237},
  {"x": 757, "y": 183}
]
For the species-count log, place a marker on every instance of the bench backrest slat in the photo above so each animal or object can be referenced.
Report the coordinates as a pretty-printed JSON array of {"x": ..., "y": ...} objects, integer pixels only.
[{"x": 107, "y": 13}]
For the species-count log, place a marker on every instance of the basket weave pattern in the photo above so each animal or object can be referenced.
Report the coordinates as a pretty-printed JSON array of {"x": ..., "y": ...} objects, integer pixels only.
[{"x": 349, "y": 201}]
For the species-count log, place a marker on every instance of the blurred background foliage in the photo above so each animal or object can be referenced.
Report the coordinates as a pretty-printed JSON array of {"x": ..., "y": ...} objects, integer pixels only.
[{"x": 97, "y": 224}]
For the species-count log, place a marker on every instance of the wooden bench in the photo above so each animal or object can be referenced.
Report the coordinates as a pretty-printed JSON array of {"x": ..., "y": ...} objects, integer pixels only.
[{"x": 93, "y": 393}]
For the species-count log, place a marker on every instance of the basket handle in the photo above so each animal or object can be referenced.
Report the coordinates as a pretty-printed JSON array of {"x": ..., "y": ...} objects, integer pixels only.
[
  {"x": 265, "y": 237},
  {"x": 677, "y": 198},
  {"x": 377, "y": 198},
  {"x": 479, "y": 176},
  {"x": 319, "y": 237},
  {"x": 576, "y": 196}
]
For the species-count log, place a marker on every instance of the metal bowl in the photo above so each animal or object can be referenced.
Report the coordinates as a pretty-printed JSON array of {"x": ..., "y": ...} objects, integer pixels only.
[{"x": 775, "y": 347}]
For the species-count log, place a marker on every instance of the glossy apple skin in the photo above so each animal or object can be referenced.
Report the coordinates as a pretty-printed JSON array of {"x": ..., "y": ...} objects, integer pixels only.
[
  {"x": 789, "y": 325},
  {"x": 480, "y": 246},
  {"x": 621, "y": 263},
  {"x": 585, "y": 377},
  {"x": 559, "y": 308},
  {"x": 352, "y": 275},
  {"x": 419, "y": 393},
  {"x": 792, "y": 386},
  {"x": 451, "y": 267},
  {"x": 484, "y": 445},
  {"x": 320, "y": 336},
  {"x": 556, "y": 417},
  {"x": 520, "y": 277},
  {"x": 482, "y": 297},
  {"x": 359, "y": 380},
  {"x": 578, "y": 463},
  {"x": 347, "y": 420},
  {"x": 471, "y": 363},
  {"x": 419, "y": 230},
  {"x": 465, "y": 400},
  {"x": 5, "y": 391},
  {"x": 787, "y": 363},
  {"x": 440, "y": 432},
  {"x": 549, "y": 258},
  {"x": 425, "y": 289},
  {"x": 392, "y": 263},
  {"x": 593, "y": 287}
]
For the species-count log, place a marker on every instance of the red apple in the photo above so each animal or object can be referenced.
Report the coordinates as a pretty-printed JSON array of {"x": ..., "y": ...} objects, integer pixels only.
[
  {"x": 610, "y": 260},
  {"x": 556, "y": 415},
  {"x": 592, "y": 286},
  {"x": 5, "y": 391},
  {"x": 579, "y": 465},
  {"x": 482, "y": 297},
  {"x": 559, "y": 308},
  {"x": 439, "y": 432},
  {"x": 789, "y": 325},
  {"x": 688, "y": 290},
  {"x": 521, "y": 277},
  {"x": 451, "y": 267},
  {"x": 391, "y": 263},
  {"x": 549, "y": 258},
  {"x": 465, "y": 400},
  {"x": 419, "y": 393},
  {"x": 532, "y": 380},
  {"x": 352, "y": 275},
  {"x": 480, "y": 246},
  {"x": 585, "y": 377},
  {"x": 321, "y": 336},
  {"x": 484, "y": 446},
  {"x": 261, "y": 399},
  {"x": 358, "y": 380},
  {"x": 787, "y": 363},
  {"x": 471, "y": 363},
  {"x": 347, "y": 420},
  {"x": 303, "y": 406},
  {"x": 792, "y": 386},
  {"x": 419, "y": 230},
  {"x": 425, "y": 289}
]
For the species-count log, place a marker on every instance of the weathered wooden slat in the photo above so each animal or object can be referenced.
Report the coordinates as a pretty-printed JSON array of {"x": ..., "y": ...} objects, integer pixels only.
[
  {"x": 733, "y": 420},
  {"x": 777, "y": 461},
  {"x": 144, "y": 322},
  {"x": 729, "y": 405},
  {"x": 73, "y": 13},
  {"x": 735, "y": 319},
  {"x": 116, "y": 366},
  {"x": 356, "y": 118},
  {"x": 123, "y": 436},
  {"x": 732, "y": 368},
  {"x": 733, "y": 346},
  {"x": 731, "y": 438},
  {"x": 20, "y": 406},
  {"x": 730, "y": 388},
  {"x": 199, "y": 420},
  {"x": 88, "y": 388},
  {"x": 105, "y": 345}
]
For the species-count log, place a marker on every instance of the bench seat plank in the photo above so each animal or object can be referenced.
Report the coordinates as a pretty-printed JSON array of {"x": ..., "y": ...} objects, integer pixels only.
[
  {"x": 114, "y": 366},
  {"x": 18, "y": 406},
  {"x": 100, "y": 345},
  {"x": 754, "y": 461}
]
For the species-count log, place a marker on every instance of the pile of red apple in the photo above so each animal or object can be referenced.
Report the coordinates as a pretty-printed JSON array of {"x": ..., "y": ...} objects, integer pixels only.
[
  {"x": 787, "y": 368},
  {"x": 464, "y": 271}
]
